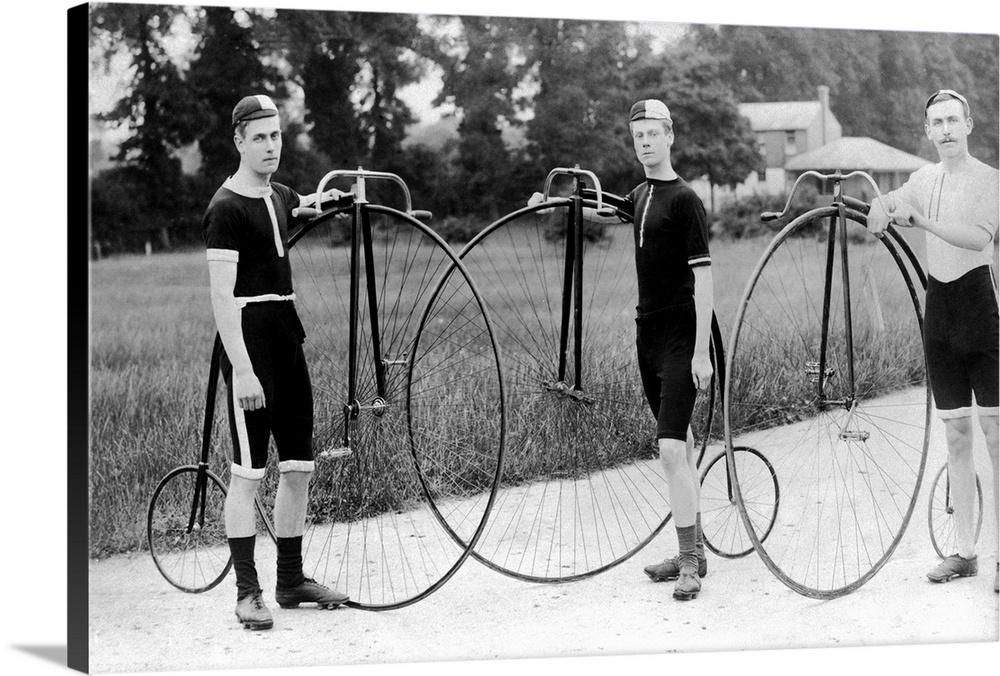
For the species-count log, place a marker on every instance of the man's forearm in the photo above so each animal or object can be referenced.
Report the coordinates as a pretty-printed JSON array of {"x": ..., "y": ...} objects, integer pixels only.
[
  {"x": 974, "y": 237},
  {"x": 704, "y": 294},
  {"x": 227, "y": 321},
  {"x": 222, "y": 277}
]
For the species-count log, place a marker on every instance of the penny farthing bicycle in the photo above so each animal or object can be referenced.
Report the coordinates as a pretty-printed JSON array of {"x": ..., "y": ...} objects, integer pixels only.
[
  {"x": 827, "y": 377},
  {"x": 408, "y": 404},
  {"x": 583, "y": 488}
]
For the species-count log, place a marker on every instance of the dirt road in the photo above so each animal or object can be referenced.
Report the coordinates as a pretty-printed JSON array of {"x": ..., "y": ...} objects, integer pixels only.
[{"x": 140, "y": 623}]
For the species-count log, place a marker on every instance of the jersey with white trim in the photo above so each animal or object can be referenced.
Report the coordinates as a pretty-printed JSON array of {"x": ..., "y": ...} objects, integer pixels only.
[
  {"x": 967, "y": 197},
  {"x": 671, "y": 238},
  {"x": 251, "y": 229}
]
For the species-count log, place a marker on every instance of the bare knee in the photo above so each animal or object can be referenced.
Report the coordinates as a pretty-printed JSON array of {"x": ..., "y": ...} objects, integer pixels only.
[
  {"x": 242, "y": 487},
  {"x": 673, "y": 453},
  {"x": 958, "y": 434},
  {"x": 294, "y": 480},
  {"x": 989, "y": 425}
]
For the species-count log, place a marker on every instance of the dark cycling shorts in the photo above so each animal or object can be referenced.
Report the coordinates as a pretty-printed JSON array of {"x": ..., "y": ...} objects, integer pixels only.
[
  {"x": 273, "y": 335},
  {"x": 665, "y": 345},
  {"x": 961, "y": 337}
]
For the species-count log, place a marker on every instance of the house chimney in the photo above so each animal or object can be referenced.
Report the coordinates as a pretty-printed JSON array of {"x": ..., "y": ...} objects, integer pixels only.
[{"x": 824, "y": 107}]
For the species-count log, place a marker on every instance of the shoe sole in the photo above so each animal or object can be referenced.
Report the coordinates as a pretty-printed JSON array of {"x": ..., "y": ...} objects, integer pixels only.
[
  {"x": 255, "y": 625},
  {"x": 668, "y": 578},
  {"x": 685, "y": 596},
  {"x": 329, "y": 605},
  {"x": 942, "y": 580}
]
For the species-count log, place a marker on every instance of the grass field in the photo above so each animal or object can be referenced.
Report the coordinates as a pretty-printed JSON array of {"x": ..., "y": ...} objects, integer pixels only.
[{"x": 151, "y": 339}]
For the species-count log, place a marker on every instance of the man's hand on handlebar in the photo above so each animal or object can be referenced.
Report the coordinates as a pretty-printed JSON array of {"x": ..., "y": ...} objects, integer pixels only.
[{"x": 538, "y": 198}]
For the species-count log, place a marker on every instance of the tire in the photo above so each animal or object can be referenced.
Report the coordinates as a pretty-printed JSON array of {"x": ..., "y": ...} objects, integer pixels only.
[
  {"x": 849, "y": 482},
  {"x": 940, "y": 519},
  {"x": 721, "y": 523},
  {"x": 394, "y": 520},
  {"x": 582, "y": 487},
  {"x": 193, "y": 555}
]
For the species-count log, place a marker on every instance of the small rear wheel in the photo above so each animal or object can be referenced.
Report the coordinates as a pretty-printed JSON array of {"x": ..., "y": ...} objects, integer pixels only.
[
  {"x": 186, "y": 530},
  {"x": 941, "y": 514},
  {"x": 723, "y": 530}
]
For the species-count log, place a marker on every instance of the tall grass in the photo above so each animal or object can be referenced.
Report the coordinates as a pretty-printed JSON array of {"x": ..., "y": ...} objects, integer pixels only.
[{"x": 151, "y": 340}]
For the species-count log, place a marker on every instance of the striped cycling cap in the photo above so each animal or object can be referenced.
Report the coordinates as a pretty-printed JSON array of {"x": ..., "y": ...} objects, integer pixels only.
[
  {"x": 253, "y": 108},
  {"x": 649, "y": 109}
]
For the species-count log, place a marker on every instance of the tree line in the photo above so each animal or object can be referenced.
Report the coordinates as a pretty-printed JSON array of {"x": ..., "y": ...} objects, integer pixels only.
[{"x": 561, "y": 88}]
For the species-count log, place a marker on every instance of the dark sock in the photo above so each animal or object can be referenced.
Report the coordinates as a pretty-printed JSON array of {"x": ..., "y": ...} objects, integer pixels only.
[
  {"x": 686, "y": 539},
  {"x": 290, "y": 562},
  {"x": 700, "y": 541},
  {"x": 246, "y": 572}
]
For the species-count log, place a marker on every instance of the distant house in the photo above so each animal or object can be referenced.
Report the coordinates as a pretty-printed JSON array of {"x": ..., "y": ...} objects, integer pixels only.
[
  {"x": 786, "y": 130},
  {"x": 890, "y": 167},
  {"x": 798, "y": 136}
]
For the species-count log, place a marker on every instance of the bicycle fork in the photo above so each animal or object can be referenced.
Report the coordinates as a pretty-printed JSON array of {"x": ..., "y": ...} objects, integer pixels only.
[
  {"x": 572, "y": 301},
  {"x": 819, "y": 372}
]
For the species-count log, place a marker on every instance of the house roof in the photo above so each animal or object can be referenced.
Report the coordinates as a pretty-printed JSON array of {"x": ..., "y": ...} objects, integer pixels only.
[
  {"x": 856, "y": 152},
  {"x": 781, "y": 115}
]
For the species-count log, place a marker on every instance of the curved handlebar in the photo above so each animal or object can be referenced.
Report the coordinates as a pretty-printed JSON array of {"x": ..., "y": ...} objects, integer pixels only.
[
  {"x": 361, "y": 174},
  {"x": 577, "y": 172},
  {"x": 836, "y": 177}
]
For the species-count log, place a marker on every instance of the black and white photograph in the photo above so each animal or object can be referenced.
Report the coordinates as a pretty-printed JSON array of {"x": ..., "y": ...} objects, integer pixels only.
[{"x": 450, "y": 337}]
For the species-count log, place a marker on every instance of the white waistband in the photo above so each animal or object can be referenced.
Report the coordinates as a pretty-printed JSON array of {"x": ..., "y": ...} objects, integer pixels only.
[{"x": 243, "y": 301}]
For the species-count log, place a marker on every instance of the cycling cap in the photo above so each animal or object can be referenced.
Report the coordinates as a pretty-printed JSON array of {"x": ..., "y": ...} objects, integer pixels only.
[
  {"x": 649, "y": 109},
  {"x": 253, "y": 108}
]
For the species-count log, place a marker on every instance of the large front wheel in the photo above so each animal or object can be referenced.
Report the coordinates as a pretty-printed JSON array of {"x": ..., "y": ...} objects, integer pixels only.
[
  {"x": 827, "y": 378},
  {"x": 582, "y": 487},
  {"x": 393, "y": 521}
]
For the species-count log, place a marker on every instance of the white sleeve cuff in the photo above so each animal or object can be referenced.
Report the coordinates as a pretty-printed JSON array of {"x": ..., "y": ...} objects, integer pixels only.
[{"x": 228, "y": 255}]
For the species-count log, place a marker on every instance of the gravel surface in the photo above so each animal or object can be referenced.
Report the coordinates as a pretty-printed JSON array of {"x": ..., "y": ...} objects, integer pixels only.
[{"x": 140, "y": 623}]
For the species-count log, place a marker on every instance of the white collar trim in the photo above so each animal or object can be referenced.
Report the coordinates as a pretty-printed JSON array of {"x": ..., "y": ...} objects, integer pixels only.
[{"x": 247, "y": 190}]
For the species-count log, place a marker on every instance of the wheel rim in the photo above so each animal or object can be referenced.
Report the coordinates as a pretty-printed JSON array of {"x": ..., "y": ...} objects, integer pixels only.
[
  {"x": 390, "y": 523},
  {"x": 849, "y": 484},
  {"x": 582, "y": 488},
  {"x": 941, "y": 518},
  {"x": 193, "y": 560},
  {"x": 722, "y": 525}
]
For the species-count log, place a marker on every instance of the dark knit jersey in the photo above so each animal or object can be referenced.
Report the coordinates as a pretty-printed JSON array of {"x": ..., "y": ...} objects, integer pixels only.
[
  {"x": 671, "y": 238},
  {"x": 239, "y": 228}
]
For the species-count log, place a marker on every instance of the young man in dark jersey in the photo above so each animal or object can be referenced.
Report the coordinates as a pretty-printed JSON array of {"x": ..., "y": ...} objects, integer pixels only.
[
  {"x": 246, "y": 236},
  {"x": 673, "y": 326},
  {"x": 955, "y": 202}
]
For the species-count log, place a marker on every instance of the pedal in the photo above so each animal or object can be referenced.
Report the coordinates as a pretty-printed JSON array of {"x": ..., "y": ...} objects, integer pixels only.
[
  {"x": 334, "y": 452},
  {"x": 812, "y": 369}
]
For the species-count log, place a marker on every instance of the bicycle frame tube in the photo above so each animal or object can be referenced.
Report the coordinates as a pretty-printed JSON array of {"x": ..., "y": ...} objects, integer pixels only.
[
  {"x": 366, "y": 230},
  {"x": 846, "y": 275},
  {"x": 567, "y": 299},
  {"x": 578, "y": 283},
  {"x": 352, "y": 350},
  {"x": 201, "y": 481},
  {"x": 831, "y": 244}
]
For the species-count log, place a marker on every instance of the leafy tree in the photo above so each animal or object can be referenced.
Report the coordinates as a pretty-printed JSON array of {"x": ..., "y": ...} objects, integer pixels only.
[
  {"x": 227, "y": 66},
  {"x": 480, "y": 75},
  {"x": 158, "y": 110},
  {"x": 878, "y": 80},
  {"x": 711, "y": 138},
  {"x": 351, "y": 66},
  {"x": 582, "y": 70}
]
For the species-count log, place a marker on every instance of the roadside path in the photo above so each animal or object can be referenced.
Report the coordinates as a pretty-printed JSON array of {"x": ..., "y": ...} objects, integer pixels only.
[{"x": 140, "y": 623}]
